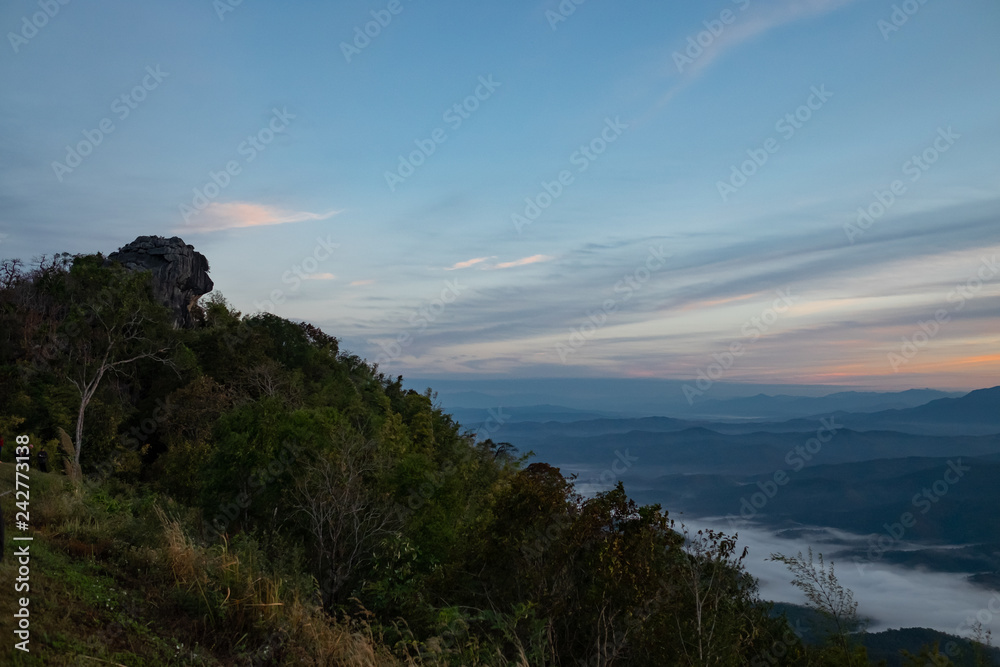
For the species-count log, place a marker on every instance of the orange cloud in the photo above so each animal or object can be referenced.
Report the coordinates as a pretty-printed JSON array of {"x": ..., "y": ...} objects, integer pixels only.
[
  {"x": 467, "y": 263},
  {"x": 361, "y": 283},
  {"x": 321, "y": 276},
  {"x": 218, "y": 216},
  {"x": 534, "y": 259},
  {"x": 983, "y": 359},
  {"x": 950, "y": 363}
]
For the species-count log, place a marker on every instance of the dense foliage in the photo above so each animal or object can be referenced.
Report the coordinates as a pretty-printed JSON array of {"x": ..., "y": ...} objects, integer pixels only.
[{"x": 267, "y": 433}]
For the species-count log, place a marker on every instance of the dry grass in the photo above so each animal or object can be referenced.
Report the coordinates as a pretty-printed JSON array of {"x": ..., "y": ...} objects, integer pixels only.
[
  {"x": 119, "y": 580},
  {"x": 186, "y": 560},
  {"x": 254, "y": 601},
  {"x": 317, "y": 640},
  {"x": 247, "y": 614},
  {"x": 69, "y": 454}
]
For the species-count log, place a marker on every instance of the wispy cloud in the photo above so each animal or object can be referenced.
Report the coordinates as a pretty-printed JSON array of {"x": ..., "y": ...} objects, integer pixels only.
[
  {"x": 321, "y": 276},
  {"x": 534, "y": 259},
  {"x": 855, "y": 303},
  {"x": 361, "y": 283},
  {"x": 758, "y": 20},
  {"x": 218, "y": 216},
  {"x": 763, "y": 20},
  {"x": 467, "y": 263}
]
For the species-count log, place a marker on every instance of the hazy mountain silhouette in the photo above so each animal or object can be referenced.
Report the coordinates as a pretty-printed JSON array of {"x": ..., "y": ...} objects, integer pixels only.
[
  {"x": 976, "y": 413},
  {"x": 764, "y": 406}
]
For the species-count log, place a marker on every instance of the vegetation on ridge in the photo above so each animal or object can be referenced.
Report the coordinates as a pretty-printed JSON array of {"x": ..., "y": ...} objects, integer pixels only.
[{"x": 253, "y": 494}]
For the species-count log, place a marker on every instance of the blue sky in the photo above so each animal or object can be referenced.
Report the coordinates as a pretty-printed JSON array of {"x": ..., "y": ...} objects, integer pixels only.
[{"x": 642, "y": 265}]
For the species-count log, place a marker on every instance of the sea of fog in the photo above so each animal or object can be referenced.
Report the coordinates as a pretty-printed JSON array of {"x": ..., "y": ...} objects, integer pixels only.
[{"x": 891, "y": 596}]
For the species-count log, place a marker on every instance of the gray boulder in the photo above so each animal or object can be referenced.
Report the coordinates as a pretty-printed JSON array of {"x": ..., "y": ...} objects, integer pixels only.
[{"x": 180, "y": 274}]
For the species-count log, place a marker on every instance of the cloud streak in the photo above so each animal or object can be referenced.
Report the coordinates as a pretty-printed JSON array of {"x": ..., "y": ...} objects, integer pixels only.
[
  {"x": 855, "y": 301},
  {"x": 467, "y": 263},
  {"x": 746, "y": 28},
  {"x": 524, "y": 261},
  {"x": 760, "y": 22},
  {"x": 219, "y": 216}
]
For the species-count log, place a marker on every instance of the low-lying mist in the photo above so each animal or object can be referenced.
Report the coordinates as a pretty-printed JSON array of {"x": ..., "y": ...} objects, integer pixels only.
[{"x": 890, "y": 596}]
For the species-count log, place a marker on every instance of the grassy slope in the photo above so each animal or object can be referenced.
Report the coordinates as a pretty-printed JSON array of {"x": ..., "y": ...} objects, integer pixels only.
[{"x": 114, "y": 581}]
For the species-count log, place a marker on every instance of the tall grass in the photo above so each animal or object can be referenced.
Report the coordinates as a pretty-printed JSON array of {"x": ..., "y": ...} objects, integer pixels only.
[{"x": 242, "y": 598}]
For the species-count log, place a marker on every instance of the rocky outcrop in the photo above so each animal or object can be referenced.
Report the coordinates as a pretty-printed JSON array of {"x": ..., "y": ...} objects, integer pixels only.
[{"x": 180, "y": 274}]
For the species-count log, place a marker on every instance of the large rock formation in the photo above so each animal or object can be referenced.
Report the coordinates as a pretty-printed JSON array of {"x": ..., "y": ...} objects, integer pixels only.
[{"x": 180, "y": 274}]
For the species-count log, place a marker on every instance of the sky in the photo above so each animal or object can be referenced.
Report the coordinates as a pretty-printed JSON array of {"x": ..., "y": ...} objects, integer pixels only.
[{"x": 760, "y": 191}]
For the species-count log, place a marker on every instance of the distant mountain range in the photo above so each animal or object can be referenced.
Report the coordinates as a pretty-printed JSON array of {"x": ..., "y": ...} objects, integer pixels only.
[
  {"x": 640, "y": 397},
  {"x": 646, "y": 397},
  {"x": 528, "y": 413},
  {"x": 763, "y": 406},
  {"x": 978, "y": 412},
  {"x": 974, "y": 413},
  {"x": 852, "y": 471}
]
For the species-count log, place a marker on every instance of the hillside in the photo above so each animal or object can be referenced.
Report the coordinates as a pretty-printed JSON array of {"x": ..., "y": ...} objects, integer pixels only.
[
  {"x": 228, "y": 489},
  {"x": 251, "y": 493}
]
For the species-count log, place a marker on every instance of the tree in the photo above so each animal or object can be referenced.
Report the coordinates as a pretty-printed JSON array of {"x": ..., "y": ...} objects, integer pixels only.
[
  {"x": 719, "y": 593},
  {"x": 343, "y": 516},
  {"x": 827, "y": 596},
  {"x": 188, "y": 420},
  {"x": 929, "y": 656},
  {"x": 112, "y": 323}
]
